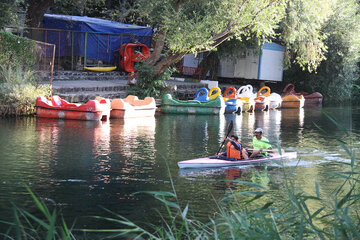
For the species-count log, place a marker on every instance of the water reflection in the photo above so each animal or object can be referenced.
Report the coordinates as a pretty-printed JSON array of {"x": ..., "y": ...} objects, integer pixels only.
[
  {"x": 84, "y": 164},
  {"x": 128, "y": 134}
]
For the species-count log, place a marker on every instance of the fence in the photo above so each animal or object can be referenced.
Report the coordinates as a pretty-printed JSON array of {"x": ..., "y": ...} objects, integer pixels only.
[
  {"x": 77, "y": 49},
  {"x": 44, "y": 60}
]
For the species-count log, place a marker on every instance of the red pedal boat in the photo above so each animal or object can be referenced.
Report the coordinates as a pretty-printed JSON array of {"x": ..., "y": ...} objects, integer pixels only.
[{"x": 55, "y": 107}]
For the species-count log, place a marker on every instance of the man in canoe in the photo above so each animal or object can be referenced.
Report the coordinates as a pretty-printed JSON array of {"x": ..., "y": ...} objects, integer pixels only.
[
  {"x": 234, "y": 149},
  {"x": 259, "y": 144}
]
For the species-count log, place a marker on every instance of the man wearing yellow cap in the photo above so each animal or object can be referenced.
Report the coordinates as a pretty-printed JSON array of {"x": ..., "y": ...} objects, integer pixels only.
[{"x": 259, "y": 144}]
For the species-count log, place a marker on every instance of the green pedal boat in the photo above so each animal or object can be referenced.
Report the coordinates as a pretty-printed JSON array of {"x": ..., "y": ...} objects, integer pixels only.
[{"x": 172, "y": 105}]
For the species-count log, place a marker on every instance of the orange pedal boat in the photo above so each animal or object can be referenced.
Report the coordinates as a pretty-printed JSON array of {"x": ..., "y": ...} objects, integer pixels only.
[
  {"x": 291, "y": 100},
  {"x": 262, "y": 101},
  {"x": 315, "y": 98},
  {"x": 131, "y": 107},
  {"x": 55, "y": 107}
]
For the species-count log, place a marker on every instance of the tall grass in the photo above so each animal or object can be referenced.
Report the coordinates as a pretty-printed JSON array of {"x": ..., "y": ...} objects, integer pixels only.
[
  {"x": 251, "y": 214},
  {"x": 19, "y": 90},
  {"x": 49, "y": 225}
]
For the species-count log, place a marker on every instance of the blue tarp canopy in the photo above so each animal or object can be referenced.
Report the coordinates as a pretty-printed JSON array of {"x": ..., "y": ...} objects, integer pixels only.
[{"x": 102, "y": 38}]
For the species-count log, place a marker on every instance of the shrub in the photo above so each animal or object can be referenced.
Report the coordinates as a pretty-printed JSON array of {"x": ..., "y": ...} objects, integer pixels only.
[
  {"x": 149, "y": 85},
  {"x": 19, "y": 91},
  {"x": 16, "y": 51}
]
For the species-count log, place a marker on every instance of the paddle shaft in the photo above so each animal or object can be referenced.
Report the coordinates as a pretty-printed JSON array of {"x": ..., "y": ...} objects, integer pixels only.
[
  {"x": 229, "y": 130},
  {"x": 264, "y": 150}
]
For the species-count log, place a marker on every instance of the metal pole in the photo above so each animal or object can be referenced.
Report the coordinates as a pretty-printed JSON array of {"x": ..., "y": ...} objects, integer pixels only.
[
  {"x": 59, "y": 50},
  {"x": 85, "y": 55},
  {"x": 72, "y": 50},
  {"x": 52, "y": 69}
]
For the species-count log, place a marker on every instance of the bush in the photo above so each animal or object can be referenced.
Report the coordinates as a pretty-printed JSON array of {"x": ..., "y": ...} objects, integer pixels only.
[
  {"x": 19, "y": 91},
  {"x": 149, "y": 85},
  {"x": 16, "y": 51}
]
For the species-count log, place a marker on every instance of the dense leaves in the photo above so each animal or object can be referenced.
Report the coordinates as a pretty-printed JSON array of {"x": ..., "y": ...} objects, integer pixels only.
[
  {"x": 336, "y": 75},
  {"x": 7, "y": 12}
]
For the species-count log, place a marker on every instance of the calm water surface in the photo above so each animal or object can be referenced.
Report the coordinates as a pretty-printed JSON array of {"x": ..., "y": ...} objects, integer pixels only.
[{"x": 84, "y": 166}]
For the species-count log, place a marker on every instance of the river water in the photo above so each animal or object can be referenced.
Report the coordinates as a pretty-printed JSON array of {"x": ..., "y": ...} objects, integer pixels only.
[{"x": 83, "y": 167}]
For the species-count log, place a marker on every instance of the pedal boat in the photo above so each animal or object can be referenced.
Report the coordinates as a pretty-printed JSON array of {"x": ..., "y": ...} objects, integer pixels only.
[
  {"x": 311, "y": 99},
  {"x": 132, "y": 107},
  {"x": 262, "y": 102},
  {"x": 244, "y": 93},
  {"x": 290, "y": 99},
  {"x": 100, "y": 69},
  {"x": 274, "y": 98},
  {"x": 233, "y": 104},
  {"x": 208, "y": 162},
  {"x": 55, "y": 107},
  {"x": 172, "y": 105}
]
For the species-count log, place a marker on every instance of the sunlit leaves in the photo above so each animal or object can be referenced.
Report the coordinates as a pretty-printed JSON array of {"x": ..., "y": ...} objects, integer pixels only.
[
  {"x": 301, "y": 31},
  {"x": 195, "y": 26}
]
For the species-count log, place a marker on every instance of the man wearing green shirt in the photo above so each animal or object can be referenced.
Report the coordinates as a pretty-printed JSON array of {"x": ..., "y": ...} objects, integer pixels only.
[{"x": 260, "y": 143}]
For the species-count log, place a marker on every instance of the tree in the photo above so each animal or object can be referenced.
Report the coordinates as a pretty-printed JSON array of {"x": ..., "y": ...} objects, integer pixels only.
[
  {"x": 195, "y": 26},
  {"x": 7, "y": 12},
  {"x": 186, "y": 26},
  {"x": 301, "y": 32},
  {"x": 336, "y": 75},
  {"x": 36, "y": 10}
]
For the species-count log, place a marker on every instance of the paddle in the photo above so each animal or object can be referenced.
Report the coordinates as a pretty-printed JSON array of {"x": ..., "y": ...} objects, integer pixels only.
[
  {"x": 274, "y": 150},
  {"x": 264, "y": 150},
  {"x": 230, "y": 126}
]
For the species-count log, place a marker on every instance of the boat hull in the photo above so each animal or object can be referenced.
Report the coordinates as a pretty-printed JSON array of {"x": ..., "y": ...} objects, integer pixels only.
[
  {"x": 100, "y": 69},
  {"x": 68, "y": 114},
  {"x": 262, "y": 104},
  {"x": 293, "y": 101},
  {"x": 170, "y": 105},
  {"x": 248, "y": 104},
  {"x": 233, "y": 106},
  {"x": 132, "y": 107},
  {"x": 313, "y": 99},
  {"x": 213, "y": 163},
  {"x": 93, "y": 110}
]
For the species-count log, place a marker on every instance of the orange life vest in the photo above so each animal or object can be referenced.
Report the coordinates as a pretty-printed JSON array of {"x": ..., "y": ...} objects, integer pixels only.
[{"x": 232, "y": 152}]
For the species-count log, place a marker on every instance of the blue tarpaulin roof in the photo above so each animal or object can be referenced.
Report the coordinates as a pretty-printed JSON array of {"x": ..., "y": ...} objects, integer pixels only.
[{"x": 102, "y": 37}]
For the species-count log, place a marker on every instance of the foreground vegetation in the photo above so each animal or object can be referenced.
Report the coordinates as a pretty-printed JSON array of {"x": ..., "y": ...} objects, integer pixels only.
[
  {"x": 251, "y": 214},
  {"x": 19, "y": 85}
]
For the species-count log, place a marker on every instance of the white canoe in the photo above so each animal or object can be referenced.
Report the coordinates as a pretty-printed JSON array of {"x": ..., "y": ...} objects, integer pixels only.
[{"x": 211, "y": 162}]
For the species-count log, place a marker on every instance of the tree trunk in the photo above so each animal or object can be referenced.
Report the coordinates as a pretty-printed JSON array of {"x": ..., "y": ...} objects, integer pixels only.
[
  {"x": 164, "y": 63},
  {"x": 210, "y": 62},
  {"x": 159, "y": 46},
  {"x": 35, "y": 12}
]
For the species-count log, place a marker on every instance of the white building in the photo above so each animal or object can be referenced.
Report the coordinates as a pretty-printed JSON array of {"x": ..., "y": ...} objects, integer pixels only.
[{"x": 267, "y": 66}]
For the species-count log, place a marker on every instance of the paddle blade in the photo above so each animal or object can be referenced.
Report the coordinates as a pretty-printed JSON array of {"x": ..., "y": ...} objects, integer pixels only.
[{"x": 230, "y": 127}]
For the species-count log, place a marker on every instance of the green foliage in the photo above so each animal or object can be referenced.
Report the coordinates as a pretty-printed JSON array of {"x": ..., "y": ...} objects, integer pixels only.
[
  {"x": 335, "y": 77},
  {"x": 197, "y": 25},
  {"x": 301, "y": 32},
  {"x": 26, "y": 225},
  {"x": 19, "y": 90},
  {"x": 16, "y": 51},
  {"x": 121, "y": 11},
  {"x": 7, "y": 12},
  {"x": 149, "y": 85},
  {"x": 19, "y": 86}
]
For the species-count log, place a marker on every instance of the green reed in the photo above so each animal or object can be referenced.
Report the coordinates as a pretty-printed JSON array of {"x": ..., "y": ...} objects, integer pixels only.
[{"x": 49, "y": 225}]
